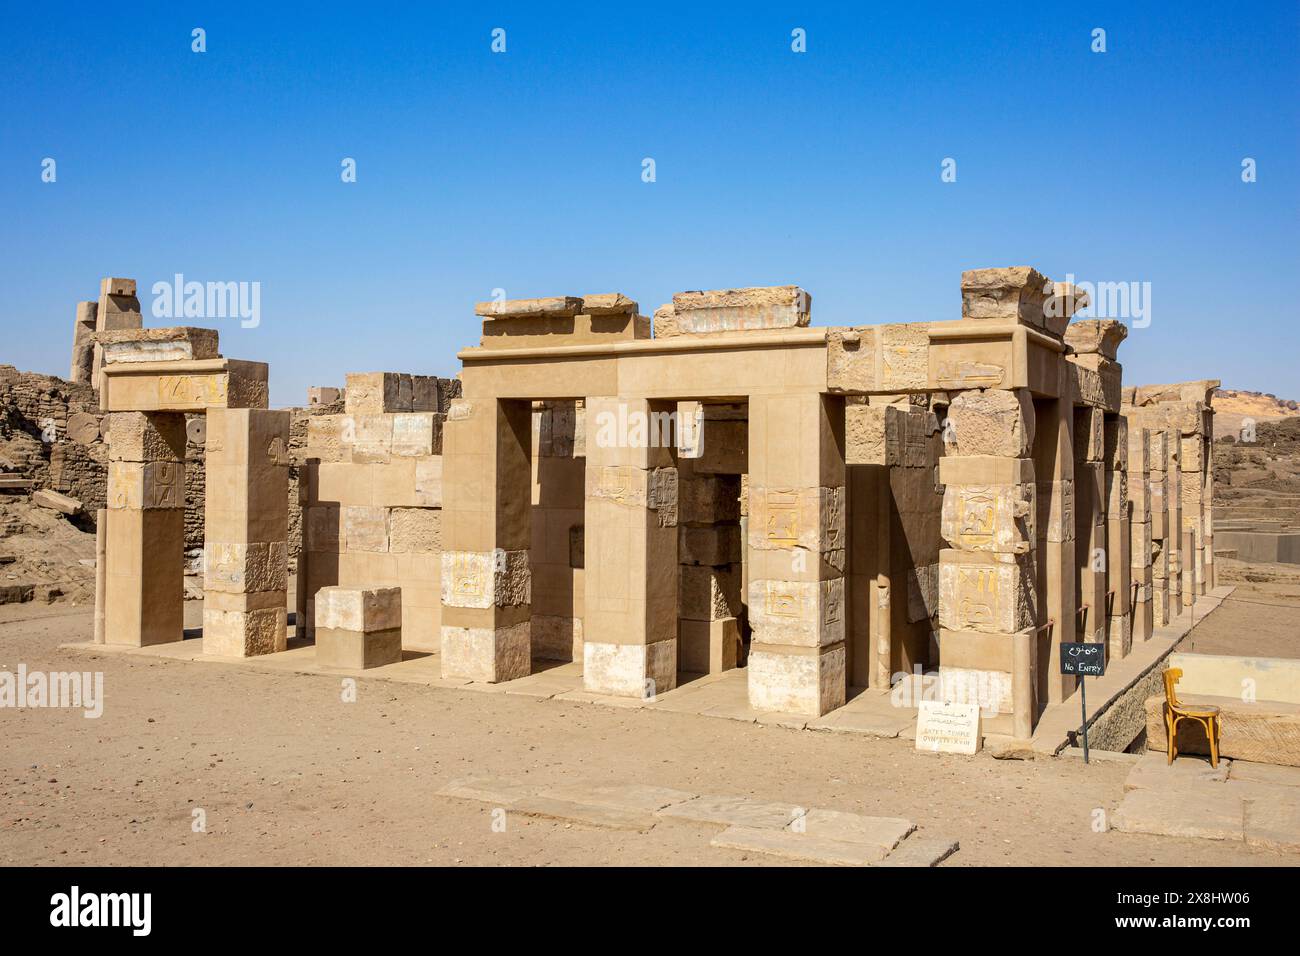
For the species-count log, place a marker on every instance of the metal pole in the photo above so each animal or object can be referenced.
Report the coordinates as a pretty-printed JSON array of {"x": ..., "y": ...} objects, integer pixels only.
[{"x": 1083, "y": 706}]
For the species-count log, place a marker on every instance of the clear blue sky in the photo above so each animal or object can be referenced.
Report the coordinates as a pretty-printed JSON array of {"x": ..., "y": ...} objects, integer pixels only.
[{"x": 523, "y": 170}]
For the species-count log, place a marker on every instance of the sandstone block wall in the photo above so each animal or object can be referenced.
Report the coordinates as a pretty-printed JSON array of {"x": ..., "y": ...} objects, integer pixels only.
[{"x": 370, "y": 489}]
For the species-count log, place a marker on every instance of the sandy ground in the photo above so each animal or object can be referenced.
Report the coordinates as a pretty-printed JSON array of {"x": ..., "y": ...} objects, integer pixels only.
[
  {"x": 1261, "y": 618},
  {"x": 287, "y": 773}
]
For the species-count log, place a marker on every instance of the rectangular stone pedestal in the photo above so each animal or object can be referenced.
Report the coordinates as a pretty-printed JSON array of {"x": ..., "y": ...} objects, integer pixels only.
[{"x": 357, "y": 628}]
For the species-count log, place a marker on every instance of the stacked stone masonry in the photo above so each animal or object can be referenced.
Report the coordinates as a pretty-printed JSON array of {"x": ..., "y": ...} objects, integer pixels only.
[{"x": 721, "y": 486}]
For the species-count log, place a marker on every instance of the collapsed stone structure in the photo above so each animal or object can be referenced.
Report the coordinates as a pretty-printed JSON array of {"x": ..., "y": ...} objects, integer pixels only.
[{"x": 830, "y": 507}]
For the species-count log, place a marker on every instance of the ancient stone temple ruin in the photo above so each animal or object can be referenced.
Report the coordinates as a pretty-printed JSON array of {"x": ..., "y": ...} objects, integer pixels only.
[{"x": 834, "y": 509}]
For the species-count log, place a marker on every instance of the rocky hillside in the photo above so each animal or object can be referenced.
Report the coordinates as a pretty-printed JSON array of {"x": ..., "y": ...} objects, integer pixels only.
[{"x": 1232, "y": 406}]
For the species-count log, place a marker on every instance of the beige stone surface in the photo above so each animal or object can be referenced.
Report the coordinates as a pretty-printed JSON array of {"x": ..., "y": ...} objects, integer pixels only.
[
  {"x": 991, "y": 422},
  {"x": 735, "y": 811},
  {"x": 1210, "y": 813},
  {"x": 796, "y": 846},
  {"x": 359, "y": 609},
  {"x": 157, "y": 345},
  {"x": 356, "y": 649}
]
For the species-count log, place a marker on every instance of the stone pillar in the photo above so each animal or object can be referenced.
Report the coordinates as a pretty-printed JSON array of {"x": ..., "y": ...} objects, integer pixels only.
[
  {"x": 245, "y": 532},
  {"x": 1055, "y": 531},
  {"x": 1192, "y": 476},
  {"x": 796, "y": 553},
  {"x": 1162, "y": 553},
  {"x": 988, "y": 580},
  {"x": 1207, "y": 512},
  {"x": 83, "y": 343},
  {"x": 631, "y": 573},
  {"x": 145, "y": 530},
  {"x": 1090, "y": 522},
  {"x": 1174, "y": 504},
  {"x": 1119, "y": 624},
  {"x": 118, "y": 308},
  {"x": 1142, "y": 504},
  {"x": 486, "y": 580}
]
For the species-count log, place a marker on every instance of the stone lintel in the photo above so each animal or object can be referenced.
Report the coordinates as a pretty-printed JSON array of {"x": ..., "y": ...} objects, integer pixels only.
[
  {"x": 554, "y": 306},
  {"x": 191, "y": 385},
  {"x": 181, "y": 343}
]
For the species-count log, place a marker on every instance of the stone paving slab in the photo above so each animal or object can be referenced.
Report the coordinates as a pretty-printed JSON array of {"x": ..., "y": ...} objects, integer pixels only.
[
  {"x": 734, "y": 811},
  {"x": 586, "y": 697},
  {"x": 1265, "y": 773},
  {"x": 1153, "y": 772},
  {"x": 498, "y": 791},
  {"x": 878, "y": 834},
  {"x": 795, "y": 846},
  {"x": 1275, "y": 825},
  {"x": 868, "y": 724},
  {"x": 621, "y": 796},
  {"x": 921, "y": 851},
  {"x": 1208, "y": 812},
  {"x": 603, "y": 817}
]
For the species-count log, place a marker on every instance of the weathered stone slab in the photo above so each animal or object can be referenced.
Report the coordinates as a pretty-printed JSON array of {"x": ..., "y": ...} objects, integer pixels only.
[
  {"x": 1275, "y": 825},
  {"x": 560, "y": 305},
  {"x": 487, "y": 789},
  {"x": 736, "y": 310},
  {"x": 592, "y": 815},
  {"x": 634, "y": 797},
  {"x": 921, "y": 851},
  {"x": 1264, "y": 773},
  {"x": 1154, "y": 772},
  {"x": 157, "y": 345},
  {"x": 882, "y": 834},
  {"x": 795, "y": 846},
  {"x": 1208, "y": 813},
  {"x": 734, "y": 811}
]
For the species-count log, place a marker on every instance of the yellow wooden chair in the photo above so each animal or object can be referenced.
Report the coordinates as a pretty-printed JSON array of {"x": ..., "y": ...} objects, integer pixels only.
[{"x": 1207, "y": 715}]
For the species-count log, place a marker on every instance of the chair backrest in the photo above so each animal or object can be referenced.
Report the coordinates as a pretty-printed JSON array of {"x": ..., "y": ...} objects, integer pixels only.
[{"x": 1171, "y": 678}]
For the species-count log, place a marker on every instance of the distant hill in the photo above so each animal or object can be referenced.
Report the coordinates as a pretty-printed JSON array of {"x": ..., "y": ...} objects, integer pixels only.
[{"x": 1233, "y": 405}]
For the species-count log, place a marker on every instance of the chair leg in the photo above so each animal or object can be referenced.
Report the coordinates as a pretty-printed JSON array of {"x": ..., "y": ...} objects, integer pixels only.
[
  {"x": 1171, "y": 728},
  {"x": 1173, "y": 739},
  {"x": 1212, "y": 731}
]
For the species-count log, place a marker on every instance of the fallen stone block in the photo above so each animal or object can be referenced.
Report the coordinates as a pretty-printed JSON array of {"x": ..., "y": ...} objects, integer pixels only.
[{"x": 45, "y": 498}]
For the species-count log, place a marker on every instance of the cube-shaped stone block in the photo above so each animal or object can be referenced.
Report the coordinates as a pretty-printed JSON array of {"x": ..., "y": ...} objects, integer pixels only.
[
  {"x": 708, "y": 647},
  {"x": 713, "y": 545},
  {"x": 991, "y": 422},
  {"x": 797, "y": 613},
  {"x": 476, "y": 579},
  {"x": 145, "y": 436},
  {"x": 359, "y": 609},
  {"x": 980, "y": 591},
  {"x": 146, "y": 485},
  {"x": 809, "y": 518},
  {"x": 485, "y": 653},
  {"x": 988, "y": 517},
  {"x": 708, "y": 593},
  {"x": 249, "y": 567}
]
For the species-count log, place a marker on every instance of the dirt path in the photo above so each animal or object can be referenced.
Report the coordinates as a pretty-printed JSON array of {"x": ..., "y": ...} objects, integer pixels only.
[{"x": 287, "y": 773}]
